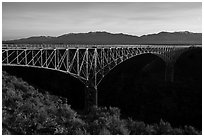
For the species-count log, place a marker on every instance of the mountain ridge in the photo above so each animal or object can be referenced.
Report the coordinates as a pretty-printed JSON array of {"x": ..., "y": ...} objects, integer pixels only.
[{"x": 103, "y": 37}]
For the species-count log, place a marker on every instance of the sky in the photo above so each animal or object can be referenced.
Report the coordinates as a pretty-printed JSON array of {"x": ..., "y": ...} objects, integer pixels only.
[{"x": 26, "y": 19}]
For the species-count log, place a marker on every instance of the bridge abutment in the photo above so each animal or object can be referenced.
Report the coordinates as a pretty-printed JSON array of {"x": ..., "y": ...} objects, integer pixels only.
[{"x": 91, "y": 97}]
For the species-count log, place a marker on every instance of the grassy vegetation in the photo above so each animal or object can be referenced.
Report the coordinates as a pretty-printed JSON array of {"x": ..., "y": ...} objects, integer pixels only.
[{"x": 29, "y": 112}]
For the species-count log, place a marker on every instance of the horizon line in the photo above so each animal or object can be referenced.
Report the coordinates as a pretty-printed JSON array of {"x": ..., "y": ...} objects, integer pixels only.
[{"x": 101, "y": 31}]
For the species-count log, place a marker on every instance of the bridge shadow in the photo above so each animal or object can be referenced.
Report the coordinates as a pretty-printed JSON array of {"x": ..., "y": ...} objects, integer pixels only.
[
  {"x": 138, "y": 88},
  {"x": 188, "y": 88},
  {"x": 189, "y": 65},
  {"x": 57, "y": 83},
  {"x": 132, "y": 86}
]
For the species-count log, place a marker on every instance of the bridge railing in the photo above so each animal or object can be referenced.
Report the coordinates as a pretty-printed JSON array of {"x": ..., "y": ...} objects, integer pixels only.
[
  {"x": 25, "y": 46},
  {"x": 37, "y": 46},
  {"x": 63, "y": 46}
]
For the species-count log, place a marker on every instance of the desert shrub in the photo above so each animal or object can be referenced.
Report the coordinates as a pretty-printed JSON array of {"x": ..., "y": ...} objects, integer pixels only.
[
  {"x": 139, "y": 128},
  {"x": 189, "y": 130},
  {"x": 104, "y": 131},
  {"x": 105, "y": 120},
  {"x": 163, "y": 128},
  {"x": 27, "y": 111}
]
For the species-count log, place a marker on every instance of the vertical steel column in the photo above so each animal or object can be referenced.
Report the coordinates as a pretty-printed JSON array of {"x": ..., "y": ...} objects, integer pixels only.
[
  {"x": 87, "y": 64},
  {"x": 25, "y": 57},
  {"x": 55, "y": 61},
  {"x": 116, "y": 55},
  {"x": 67, "y": 59},
  {"x": 95, "y": 78},
  {"x": 33, "y": 57},
  {"x": 102, "y": 63},
  {"x": 113, "y": 54},
  {"x": 7, "y": 57},
  {"x": 58, "y": 58},
  {"x": 41, "y": 57},
  {"x": 17, "y": 57},
  {"x": 77, "y": 53},
  {"x": 128, "y": 55},
  {"x": 46, "y": 58},
  {"x": 109, "y": 56},
  {"x": 122, "y": 54},
  {"x": 91, "y": 93},
  {"x": 87, "y": 89}
]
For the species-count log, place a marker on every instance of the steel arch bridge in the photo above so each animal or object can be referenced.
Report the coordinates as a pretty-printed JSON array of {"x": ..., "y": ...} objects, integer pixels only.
[{"x": 88, "y": 63}]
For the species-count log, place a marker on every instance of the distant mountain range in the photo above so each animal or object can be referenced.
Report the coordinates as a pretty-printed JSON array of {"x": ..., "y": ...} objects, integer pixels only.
[{"x": 101, "y": 37}]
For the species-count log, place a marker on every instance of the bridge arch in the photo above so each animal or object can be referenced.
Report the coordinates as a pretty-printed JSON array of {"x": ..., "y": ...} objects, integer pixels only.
[
  {"x": 55, "y": 82},
  {"x": 156, "y": 55},
  {"x": 46, "y": 68}
]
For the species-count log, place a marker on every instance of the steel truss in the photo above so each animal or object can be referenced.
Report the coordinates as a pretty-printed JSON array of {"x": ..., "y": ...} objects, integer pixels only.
[{"x": 89, "y": 64}]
